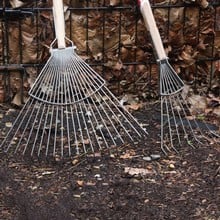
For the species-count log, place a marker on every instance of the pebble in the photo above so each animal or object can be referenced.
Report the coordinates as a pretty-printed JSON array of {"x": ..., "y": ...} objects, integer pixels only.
[
  {"x": 97, "y": 176},
  {"x": 152, "y": 157},
  {"x": 147, "y": 159},
  {"x": 155, "y": 156},
  {"x": 171, "y": 166},
  {"x": 8, "y": 124}
]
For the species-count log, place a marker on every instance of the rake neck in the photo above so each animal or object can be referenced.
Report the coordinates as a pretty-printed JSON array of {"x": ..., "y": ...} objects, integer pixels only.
[{"x": 59, "y": 23}]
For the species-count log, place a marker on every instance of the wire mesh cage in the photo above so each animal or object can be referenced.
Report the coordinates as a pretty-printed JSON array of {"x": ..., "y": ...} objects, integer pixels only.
[{"x": 111, "y": 37}]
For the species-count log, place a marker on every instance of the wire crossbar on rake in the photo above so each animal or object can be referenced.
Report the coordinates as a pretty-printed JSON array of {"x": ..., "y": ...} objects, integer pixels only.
[{"x": 180, "y": 126}]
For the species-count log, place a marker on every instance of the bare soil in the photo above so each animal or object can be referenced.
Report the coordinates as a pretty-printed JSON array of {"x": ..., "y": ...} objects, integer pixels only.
[{"x": 113, "y": 184}]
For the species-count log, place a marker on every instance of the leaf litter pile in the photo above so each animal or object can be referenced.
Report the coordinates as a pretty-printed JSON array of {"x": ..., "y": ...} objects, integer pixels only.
[
  {"x": 190, "y": 35},
  {"x": 128, "y": 182}
]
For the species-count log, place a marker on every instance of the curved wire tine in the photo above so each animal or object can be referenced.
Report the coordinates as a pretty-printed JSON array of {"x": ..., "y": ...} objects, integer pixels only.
[
  {"x": 170, "y": 82},
  {"x": 163, "y": 145},
  {"x": 204, "y": 124},
  {"x": 86, "y": 67},
  {"x": 171, "y": 131},
  {"x": 180, "y": 100},
  {"x": 20, "y": 125},
  {"x": 95, "y": 94},
  {"x": 186, "y": 135},
  {"x": 34, "y": 122},
  {"x": 20, "y": 116},
  {"x": 174, "y": 118},
  {"x": 80, "y": 78},
  {"x": 79, "y": 95},
  {"x": 77, "y": 115}
]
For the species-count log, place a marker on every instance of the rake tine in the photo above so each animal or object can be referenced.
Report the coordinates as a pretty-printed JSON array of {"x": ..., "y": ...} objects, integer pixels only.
[
  {"x": 162, "y": 128},
  {"x": 108, "y": 107},
  {"x": 88, "y": 109},
  {"x": 100, "y": 115},
  {"x": 197, "y": 125},
  {"x": 175, "y": 121}
]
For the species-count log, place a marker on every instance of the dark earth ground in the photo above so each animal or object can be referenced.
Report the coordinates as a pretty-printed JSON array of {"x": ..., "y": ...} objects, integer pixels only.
[{"x": 115, "y": 184}]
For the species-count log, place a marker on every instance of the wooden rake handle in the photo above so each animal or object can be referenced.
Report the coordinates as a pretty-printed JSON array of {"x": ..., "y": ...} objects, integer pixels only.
[
  {"x": 150, "y": 23},
  {"x": 59, "y": 23}
]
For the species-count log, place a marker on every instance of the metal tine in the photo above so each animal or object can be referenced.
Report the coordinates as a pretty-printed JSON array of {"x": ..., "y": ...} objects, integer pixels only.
[
  {"x": 170, "y": 84},
  {"x": 80, "y": 112},
  {"x": 167, "y": 85},
  {"x": 167, "y": 80},
  {"x": 53, "y": 73},
  {"x": 36, "y": 116},
  {"x": 80, "y": 94},
  {"x": 175, "y": 99},
  {"x": 171, "y": 131},
  {"x": 42, "y": 75},
  {"x": 44, "y": 85},
  {"x": 27, "y": 122},
  {"x": 179, "y": 118},
  {"x": 108, "y": 106},
  {"x": 77, "y": 78},
  {"x": 169, "y": 124},
  {"x": 37, "y": 126},
  {"x": 52, "y": 98},
  {"x": 31, "y": 131},
  {"x": 125, "y": 114},
  {"x": 210, "y": 132},
  {"x": 92, "y": 74},
  {"x": 181, "y": 108},
  {"x": 113, "y": 100},
  {"x": 57, "y": 87},
  {"x": 67, "y": 119},
  {"x": 49, "y": 98},
  {"x": 74, "y": 124},
  {"x": 177, "y": 84},
  {"x": 175, "y": 118},
  {"x": 19, "y": 120},
  {"x": 110, "y": 99},
  {"x": 61, "y": 107},
  {"x": 95, "y": 105},
  {"x": 162, "y": 145},
  {"x": 70, "y": 96},
  {"x": 181, "y": 101}
]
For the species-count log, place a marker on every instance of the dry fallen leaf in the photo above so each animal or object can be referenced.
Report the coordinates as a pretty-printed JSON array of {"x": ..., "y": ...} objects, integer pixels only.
[
  {"x": 114, "y": 2},
  {"x": 198, "y": 103},
  {"x": 8, "y": 124},
  {"x": 80, "y": 182},
  {"x": 16, "y": 3},
  {"x": 128, "y": 155},
  {"x": 134, "y": 106},
  {"x": 137, "y": 171}
]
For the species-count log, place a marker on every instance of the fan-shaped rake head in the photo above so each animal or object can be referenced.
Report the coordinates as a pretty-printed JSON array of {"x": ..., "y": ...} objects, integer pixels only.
[
  {"x": 180, "y": 127},
  {"x": 170, "y": 82},
  {"x": 70, "y": 111}
]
